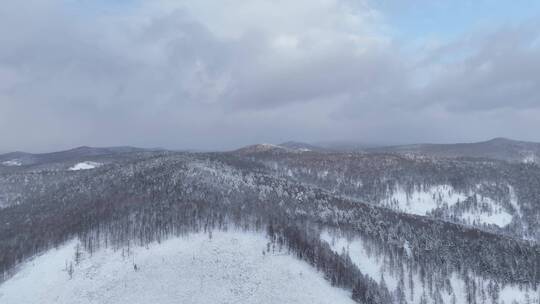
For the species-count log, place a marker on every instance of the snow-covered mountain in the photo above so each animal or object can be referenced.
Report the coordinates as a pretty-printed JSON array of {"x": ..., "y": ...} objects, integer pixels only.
[
  {"x": 409, "y": 285},
  {"x": 493, "y": 195},
  {"x": 27, "y": 159},
  {"x": 304, "y": 147},
  {"x": 497, "y": 148},
  {"x": 262, "y": 148},
  {"x": 286, "y": 147},
  {"x": 222, "y": 267},
  {"x": 268, "y": 224}
]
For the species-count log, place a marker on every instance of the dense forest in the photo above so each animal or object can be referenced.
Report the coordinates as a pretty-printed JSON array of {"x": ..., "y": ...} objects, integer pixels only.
[
  {"x": 482, "y": 186},
  {"x": 150, "y": 199}
]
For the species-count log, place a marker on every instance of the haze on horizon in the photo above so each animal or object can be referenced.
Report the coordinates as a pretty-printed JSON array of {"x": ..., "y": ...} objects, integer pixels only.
[{"x": 218, "y": 75}]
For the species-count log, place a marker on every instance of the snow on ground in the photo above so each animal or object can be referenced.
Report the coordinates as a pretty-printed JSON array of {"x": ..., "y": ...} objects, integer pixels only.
[
  {"x": 500, "y": 218},
  {"x": 85, "y": 166},
  {"x": 374, "y": 266},
  {"x": 422, "y": 201},
  {"x": 12, "y": 163},
  {"x": 497, "y": 215},
  {"x": 529, "y": 158},
  {"x": 228, "y": 268}
]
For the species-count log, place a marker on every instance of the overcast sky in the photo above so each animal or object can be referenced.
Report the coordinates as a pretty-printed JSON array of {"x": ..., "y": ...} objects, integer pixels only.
[{"x": 205, "y": 74}]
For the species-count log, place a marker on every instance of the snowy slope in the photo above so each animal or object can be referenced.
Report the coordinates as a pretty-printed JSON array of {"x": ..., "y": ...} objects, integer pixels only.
[
  {"x": 498, "y": 216},
  {"x": 228, "y": 268},
  {"x": 376, "y": 267},
  {"x": 424, "y": 199},
  {"x": 421, "y": 201},
  {"x": 85, "y": 166},
  {"x": 11, "y": 163}
]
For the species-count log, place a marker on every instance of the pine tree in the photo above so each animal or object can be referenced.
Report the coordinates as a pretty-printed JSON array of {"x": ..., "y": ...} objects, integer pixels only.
[
  {"x": 70, "y": 270},
  {"x": 78, "y": 254}
]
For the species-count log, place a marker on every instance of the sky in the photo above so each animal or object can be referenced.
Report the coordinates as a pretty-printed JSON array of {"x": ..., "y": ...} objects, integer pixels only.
[{"x": 216, "y": 75}]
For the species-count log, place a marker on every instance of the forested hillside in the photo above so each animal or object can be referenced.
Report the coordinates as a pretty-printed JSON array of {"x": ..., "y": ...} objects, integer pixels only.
[
  {"x": 151, "y": 198},
  {"x": 493, "y": 195}
]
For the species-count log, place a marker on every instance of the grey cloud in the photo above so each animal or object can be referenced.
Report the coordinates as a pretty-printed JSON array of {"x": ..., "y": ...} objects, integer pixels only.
[
  {"x": 175, "y": 76},
  {"x": 485, "y": 72},
  {"x": 502, "y": 72}
]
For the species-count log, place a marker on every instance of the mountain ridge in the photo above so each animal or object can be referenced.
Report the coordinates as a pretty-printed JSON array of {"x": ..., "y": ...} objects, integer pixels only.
[
  {"x": 20, "y": 158},
  {"x": 498, "y": 148}
]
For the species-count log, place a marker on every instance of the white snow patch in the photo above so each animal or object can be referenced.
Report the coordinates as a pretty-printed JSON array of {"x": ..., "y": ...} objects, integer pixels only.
[
  {"x": 422, "y": 201},
  {"x": 87, "y": 165},
  {"x": 368, "y": 264},
  {"x": 228, "y": 268},
  {"x": 12, "y": 163},
  {"x": 270, "y": 146},
  {"x": 407, "y": 248},
  {"x": 500, "y": 218},
  {"x": 529, "y": 158},
  {"x": 496, "y": 216}
]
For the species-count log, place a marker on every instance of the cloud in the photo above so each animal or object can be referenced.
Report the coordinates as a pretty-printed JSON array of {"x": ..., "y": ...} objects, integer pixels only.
[
  {"x": 201, "y": 74},
  {"x": 502, "y": 71}
]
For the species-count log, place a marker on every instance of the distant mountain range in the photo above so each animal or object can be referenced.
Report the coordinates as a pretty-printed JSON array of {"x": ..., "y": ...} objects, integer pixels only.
[
  {"x": 290, "y": 146},
  {"x": 25, "y": 159},
  {"x": 402, "y": 224},
  {"x": 497, "y": 148},
  {"x": 304, "y": 147}
]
